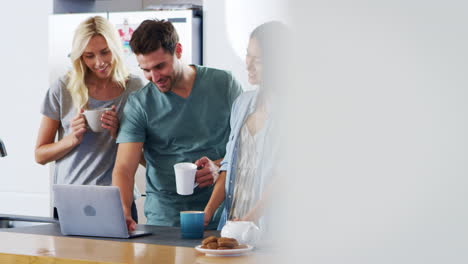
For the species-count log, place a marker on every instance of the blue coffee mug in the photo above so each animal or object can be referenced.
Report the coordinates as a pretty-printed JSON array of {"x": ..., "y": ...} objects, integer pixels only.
[{"x": 192, "y": 224}]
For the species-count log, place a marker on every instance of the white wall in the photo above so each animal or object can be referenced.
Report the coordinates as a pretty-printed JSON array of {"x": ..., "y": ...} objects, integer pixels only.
[
  {"x": 24, "y": 187},
  {"x": 378, "y": 133}
]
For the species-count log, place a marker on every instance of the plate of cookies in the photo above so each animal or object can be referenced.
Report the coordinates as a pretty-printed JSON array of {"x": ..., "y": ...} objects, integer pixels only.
[{"x": 222, "y": 246}]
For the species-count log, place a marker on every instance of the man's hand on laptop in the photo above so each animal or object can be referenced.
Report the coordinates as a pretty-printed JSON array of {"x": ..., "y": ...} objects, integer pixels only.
[
  {"x": 131, "y": 225},
  {"x": 207, "y": 172}
]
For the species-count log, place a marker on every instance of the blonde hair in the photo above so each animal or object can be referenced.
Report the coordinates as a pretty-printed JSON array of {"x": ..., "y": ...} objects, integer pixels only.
[{"x": 87, "y": 29}]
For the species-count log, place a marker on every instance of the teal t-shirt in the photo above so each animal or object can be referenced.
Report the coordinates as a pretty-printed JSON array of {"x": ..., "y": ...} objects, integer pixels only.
[{"x": 176, "y": 129}]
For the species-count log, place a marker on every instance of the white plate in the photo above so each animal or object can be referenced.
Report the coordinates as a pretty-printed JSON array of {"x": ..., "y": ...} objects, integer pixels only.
[{"x": 224, "y": 252}]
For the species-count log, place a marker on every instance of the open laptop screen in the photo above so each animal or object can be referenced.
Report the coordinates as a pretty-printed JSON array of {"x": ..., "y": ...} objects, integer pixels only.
[{"x": 88, "y": 210}]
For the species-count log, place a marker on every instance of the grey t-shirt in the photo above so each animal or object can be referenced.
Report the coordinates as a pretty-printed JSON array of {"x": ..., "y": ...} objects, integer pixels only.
[{"x": 92, "y": 161}]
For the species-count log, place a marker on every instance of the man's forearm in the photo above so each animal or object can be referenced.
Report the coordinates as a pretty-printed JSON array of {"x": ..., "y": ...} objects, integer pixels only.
[
  {"x": 123, "y": 176},
  {"x": 125, "y": 184}
]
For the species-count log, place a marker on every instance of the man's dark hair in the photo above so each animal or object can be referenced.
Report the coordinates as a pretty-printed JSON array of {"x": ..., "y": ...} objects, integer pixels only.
[{"x": 153, "y": 34}]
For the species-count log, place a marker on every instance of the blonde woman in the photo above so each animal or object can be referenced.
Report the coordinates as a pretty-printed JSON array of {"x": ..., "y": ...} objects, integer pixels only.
[{"x": 97, "y": 79}]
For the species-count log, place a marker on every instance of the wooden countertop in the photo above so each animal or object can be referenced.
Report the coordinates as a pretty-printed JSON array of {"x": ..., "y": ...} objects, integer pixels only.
[{"x": 29, "y": 248}]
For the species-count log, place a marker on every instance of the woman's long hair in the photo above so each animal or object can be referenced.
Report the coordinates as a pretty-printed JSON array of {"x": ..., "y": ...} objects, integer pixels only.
[
  {"x": 274, "y": 39},
  {"x": 89, "y": 28}
]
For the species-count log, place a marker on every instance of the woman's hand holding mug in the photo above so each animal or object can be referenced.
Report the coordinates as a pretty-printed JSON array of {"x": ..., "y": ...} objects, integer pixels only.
[
  {"x": 78, "y": 128},
  {"x": 110, "y": 121}
]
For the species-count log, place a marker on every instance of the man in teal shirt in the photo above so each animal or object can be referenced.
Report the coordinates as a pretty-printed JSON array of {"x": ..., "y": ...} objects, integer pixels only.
[{"x": 182, "y": 115}]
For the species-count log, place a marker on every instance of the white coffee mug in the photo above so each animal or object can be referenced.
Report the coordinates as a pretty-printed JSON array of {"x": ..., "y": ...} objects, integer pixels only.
[
  {"x": 185, "y": 177},
  {"x": 93, "y": 118},
  {"x": 245, "y": 232}
]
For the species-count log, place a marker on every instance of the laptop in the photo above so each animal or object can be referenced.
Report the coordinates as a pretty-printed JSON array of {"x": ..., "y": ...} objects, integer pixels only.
[{"x": 88, "y": 210}]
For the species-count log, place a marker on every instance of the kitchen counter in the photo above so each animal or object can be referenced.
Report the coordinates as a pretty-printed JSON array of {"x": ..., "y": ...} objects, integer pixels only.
[
  {"x": 45, "y": 244},
  {"x": 9, "y": 221},
  {"x": 161, "y": 235}
]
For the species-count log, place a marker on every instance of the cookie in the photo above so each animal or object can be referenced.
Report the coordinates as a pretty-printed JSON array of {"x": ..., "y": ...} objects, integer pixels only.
[
  {"x": 221, "y": 243},
  {"x": 226, "y": 239},
  {"x": 227, "y": 242},
  {"x": 209, "y": 240},
  {"x": 224, "y": 248},
  {"x": 212, "y": 245}
]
